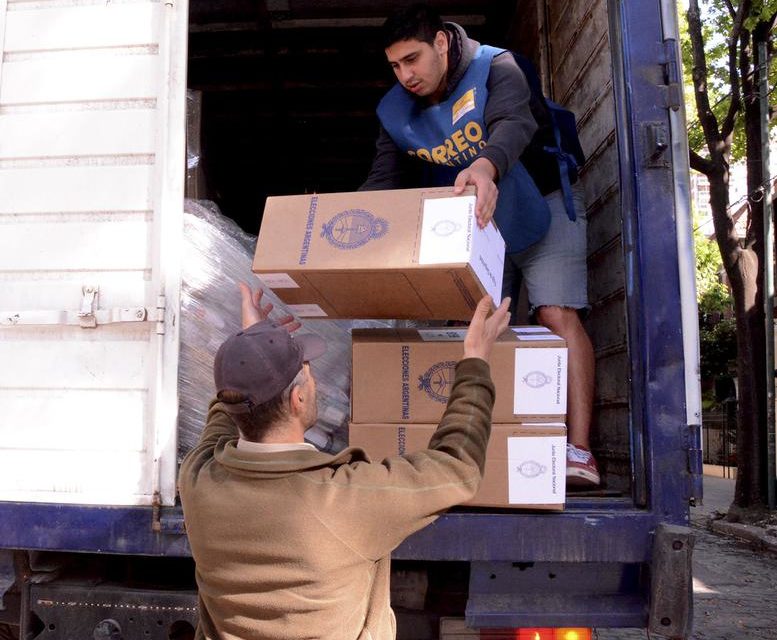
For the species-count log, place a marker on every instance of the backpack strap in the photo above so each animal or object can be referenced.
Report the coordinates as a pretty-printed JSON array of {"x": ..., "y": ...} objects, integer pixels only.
[
  {"x": 564, "y": 132},
  {"x": 566, "y": 161}
]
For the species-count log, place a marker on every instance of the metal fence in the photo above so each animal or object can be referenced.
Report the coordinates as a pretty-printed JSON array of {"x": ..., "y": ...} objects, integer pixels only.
[{"x": 719, "y": 436}]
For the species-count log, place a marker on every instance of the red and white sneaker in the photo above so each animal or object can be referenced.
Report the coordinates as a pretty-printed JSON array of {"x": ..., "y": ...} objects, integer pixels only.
[{"x": 581, "y": 467}]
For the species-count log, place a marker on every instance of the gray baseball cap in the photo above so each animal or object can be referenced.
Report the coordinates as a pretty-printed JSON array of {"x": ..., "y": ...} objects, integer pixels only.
[{"x": 261, "y": 361}]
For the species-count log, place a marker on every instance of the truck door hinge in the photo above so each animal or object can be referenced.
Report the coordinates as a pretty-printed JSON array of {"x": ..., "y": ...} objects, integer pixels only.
[
  {"x": 88, "y": 315},
  {"x": 88, "y": 304},
  {"x": 156, "y": 509},
  {"x": 161, "y": 305},
  {"x": 672, "y": 75}
]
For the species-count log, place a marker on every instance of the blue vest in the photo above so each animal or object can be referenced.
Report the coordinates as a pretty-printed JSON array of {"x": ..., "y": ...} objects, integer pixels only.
[{"x": 449, "y": 136}]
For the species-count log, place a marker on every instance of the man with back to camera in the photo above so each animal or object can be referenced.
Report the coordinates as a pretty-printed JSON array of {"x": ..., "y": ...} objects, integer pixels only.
[
  {"x": 462, "y": 114},
  {"x": 290, "y": 542}
]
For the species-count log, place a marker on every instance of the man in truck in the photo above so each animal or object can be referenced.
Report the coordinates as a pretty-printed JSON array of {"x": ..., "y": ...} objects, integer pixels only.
[
  {"x": 462, "y": 114},
  {"x": 290, "y": 542}
]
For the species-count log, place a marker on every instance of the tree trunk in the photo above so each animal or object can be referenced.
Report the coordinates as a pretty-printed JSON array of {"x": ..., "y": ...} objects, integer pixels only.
[
  {"x": 751, "y": 490},
  {"x": 742, "y": 261}
]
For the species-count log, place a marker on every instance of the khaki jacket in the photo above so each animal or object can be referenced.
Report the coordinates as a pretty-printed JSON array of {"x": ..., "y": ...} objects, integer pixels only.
[{"x": 297, "y": 544}]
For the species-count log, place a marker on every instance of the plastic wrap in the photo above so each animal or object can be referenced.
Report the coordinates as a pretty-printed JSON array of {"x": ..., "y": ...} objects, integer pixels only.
[
  {"x": 195, "y": 177},
  {"x": 218, "y": 255}
]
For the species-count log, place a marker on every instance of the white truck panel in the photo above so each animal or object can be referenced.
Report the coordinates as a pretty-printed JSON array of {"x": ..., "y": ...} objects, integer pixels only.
[
  {"x": 92, "y": 117},
  {"x": 63, "y": 189},
  {"x": 109, "y": 420},
  {"x": 80, "y": 27},
  {"x": 104, "y": 74},
  {"x": 83, "y": 477},
  {"x": 71, "y": 358},
  {"x": 97, "y": 245},
  {"x": 60, "y": 134},
  {"x": 43, "y": 291}
]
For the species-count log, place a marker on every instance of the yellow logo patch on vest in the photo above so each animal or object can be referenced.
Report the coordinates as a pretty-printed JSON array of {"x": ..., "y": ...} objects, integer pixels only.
[{"x": 463, "y": 105}]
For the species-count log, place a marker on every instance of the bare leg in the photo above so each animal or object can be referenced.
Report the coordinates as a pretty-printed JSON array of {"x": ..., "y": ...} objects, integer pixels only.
[{"x": 565, "y": 322}]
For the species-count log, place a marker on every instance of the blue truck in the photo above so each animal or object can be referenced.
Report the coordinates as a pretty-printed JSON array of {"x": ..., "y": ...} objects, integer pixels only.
[{"x": 93, "y": 130}]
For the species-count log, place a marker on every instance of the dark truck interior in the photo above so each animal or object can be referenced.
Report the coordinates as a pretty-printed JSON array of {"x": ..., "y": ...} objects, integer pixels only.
[{"x": 288, "y": 91}]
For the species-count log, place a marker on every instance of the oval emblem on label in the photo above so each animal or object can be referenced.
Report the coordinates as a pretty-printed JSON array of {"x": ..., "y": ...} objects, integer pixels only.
[
  {"x": 537, "y": 379},
  {"x": 530, "y": 469}
]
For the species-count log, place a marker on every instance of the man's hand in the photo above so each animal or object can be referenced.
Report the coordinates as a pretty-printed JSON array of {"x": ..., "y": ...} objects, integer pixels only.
[
  {"x": 481, "y": 174},
  {"x": 484, "y": 331},
  {"x": 252, "y": 310}
]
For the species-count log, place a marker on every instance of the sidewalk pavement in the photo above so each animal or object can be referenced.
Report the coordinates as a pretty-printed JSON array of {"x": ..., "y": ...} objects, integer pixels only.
[{"x": 718, "y": 496}]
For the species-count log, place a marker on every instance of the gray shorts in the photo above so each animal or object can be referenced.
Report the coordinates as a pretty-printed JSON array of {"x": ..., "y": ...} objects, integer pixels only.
[{"x": 554, "y": 269}]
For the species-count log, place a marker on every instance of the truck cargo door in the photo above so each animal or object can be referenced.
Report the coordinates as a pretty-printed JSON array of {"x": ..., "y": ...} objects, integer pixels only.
[{"x": 92, "y": 113}]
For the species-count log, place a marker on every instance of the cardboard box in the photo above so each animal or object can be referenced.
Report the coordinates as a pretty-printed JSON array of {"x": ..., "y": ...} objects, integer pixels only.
[
  {"x": 410, "y": 253},
  {"x": 405, "y": 375},
  {"x": 525, "y": 464}
]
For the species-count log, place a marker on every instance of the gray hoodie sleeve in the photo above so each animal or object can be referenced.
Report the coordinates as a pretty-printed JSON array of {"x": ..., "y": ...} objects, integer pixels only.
[
  {"x": 508, "y": 117},
  {"x": 388, "y": 169}
]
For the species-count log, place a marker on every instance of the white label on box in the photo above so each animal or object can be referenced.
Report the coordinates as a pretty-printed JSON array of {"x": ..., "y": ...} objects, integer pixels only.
[
  {"x": 537, "y": 337},
  {"x": 540, "y": 381},
  {"x": 442, "y": 335},
  {"x": 307, "y": 310},
  {"x": 446, "y": 230},
  {"x": 488, "y": 259},
  {"x": 277, "y": 280},
  {"x": 527, "y": 330},
  {"x": 536, "y": 469}
]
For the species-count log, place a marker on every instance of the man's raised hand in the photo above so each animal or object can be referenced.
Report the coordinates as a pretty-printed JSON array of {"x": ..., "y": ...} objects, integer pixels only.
[
  {"x": 483, "y": 330},
  {"x": 252, "y": 311}
]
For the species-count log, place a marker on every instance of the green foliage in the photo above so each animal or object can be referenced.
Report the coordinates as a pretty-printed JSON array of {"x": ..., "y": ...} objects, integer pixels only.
[
  {"x": 761, "y": 10},
  {"x": 717, "y": 25},
  {"x": 718, "y": 346},
  {"x": 712, "y": 295},
  {"x": 717, "y": 338}
]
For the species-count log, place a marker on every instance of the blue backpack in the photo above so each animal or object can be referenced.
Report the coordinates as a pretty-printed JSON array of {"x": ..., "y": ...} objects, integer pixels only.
[{"x": 566, "y": 151}]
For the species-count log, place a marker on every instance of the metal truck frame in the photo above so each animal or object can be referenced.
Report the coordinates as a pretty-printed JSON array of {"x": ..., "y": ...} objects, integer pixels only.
[{"x": 618, "y": 561}]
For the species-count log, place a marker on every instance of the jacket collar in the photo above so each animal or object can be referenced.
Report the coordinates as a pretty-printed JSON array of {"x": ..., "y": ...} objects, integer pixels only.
[{"x": 279, "y": 463}]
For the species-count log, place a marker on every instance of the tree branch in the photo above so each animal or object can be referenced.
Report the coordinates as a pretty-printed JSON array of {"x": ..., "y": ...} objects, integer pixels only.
[
  {"x": 735, "y": 105},
  {"x": 699, "y": 73},
  {"x": 700, "y": 164}
]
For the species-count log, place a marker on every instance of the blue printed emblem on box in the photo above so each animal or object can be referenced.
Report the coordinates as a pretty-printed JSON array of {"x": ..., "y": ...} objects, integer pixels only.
[
  {"x": 353, "y": 228},
  {"x": 436, "y": 382}
]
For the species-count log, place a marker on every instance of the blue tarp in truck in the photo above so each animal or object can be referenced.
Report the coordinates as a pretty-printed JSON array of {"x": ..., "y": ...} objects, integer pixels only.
[{"x": 92, "y": 171}]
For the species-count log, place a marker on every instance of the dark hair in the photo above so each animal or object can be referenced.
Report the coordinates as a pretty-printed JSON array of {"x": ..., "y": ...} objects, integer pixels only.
[
  {"x": 262, "y": 417},
  {"x": 258, "y": 421},
  {"x": 416, "y": 22}
]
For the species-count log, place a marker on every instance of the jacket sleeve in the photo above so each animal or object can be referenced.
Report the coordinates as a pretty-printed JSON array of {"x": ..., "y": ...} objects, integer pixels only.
[
  {"x": 217, "y": 426},
  {"x": 508, "y": 114},
  {"x": 379, "y": 504},
  {"x": 389, "y": 167}
]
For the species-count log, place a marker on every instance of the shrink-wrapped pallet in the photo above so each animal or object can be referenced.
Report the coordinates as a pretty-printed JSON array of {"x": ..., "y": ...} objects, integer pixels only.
[{"x": 217, "y": 255}]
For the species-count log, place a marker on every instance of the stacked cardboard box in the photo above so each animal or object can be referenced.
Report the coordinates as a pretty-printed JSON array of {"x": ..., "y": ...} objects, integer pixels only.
[
  {"x": 419, "y": 254},
  {"x": 402, "y": 254},
  {"x": 401, "y": 384}
]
